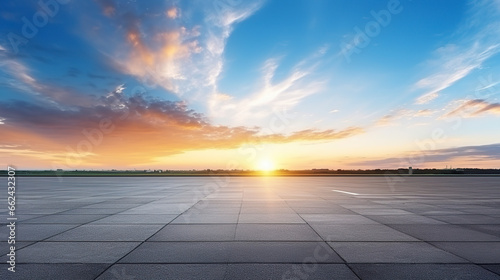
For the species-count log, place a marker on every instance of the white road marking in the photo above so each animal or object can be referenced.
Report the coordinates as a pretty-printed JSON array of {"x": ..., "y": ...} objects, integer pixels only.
[{"x": 351, "y": 193}]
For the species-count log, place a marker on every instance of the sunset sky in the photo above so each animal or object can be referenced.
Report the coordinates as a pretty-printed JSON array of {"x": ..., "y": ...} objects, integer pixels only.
[{"x": 236, "y": 84}]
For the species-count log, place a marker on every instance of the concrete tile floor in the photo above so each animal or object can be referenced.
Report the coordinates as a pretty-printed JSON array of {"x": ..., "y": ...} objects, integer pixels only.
[{"x": 256, "y": 228}]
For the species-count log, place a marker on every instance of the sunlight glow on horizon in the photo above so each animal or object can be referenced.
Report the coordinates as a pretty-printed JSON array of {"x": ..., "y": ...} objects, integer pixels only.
[{"x": 265, "y": 165}]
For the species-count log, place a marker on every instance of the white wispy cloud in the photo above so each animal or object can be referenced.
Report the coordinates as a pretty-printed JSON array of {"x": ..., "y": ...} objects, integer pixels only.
[
  {"x": 458, "y": 59},
  {"x": 272, "y": 95}
]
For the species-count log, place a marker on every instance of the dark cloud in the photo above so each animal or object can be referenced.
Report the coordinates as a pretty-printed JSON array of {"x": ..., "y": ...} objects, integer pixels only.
[{"x": 473, "y": 153}]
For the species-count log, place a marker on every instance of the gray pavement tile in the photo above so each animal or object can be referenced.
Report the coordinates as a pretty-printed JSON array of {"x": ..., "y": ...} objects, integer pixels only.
[
  {"x": 270, "y": 218},
  {"x": 5, "y": 247},
  {"x": 39, "y": 211},
  {"x": 323, "y": 210},
  {"x": 381, "y": 211},
  {"x": 276, "y": 232},
  {"x": 132, "y": 200},
  {"x": 136, "y": 219},
  {"x": 307, "y": 270},
  {"x": 365, "y": 205},
  {"x": 107, "y": 204},
  {"x": 165, "y": 271},
  {"x": 336, "y": 219},
  {"x": 357, "y": 232},
  {"x": 75, "y": 252},
  {"x": 22, "y": 218},
  {"x": 64, "y": 219},
  {"x": 226, "y": 210},
  {"x": 444, "y": 233},
  {"x": 466, "y": 219},
  {"x": 488, "y": 229},
  {"x": 108, "y": 233},
  {"x": 179, "y": 252},
  {"x": 392, "y": 252},
  {"x": 438, "y": 212},
  {"x": 89, "y": 211},
  {"x": 403, "y": 219},
  {"x": 282, "y": 252},
  {"x": 206, "y": 232},
  {"x": 477, "y": 252},
  {"x": 422, "y": 271},
  {"x": 35, "y": 232},
  {"x": 206, "y": 219},
  {"x": 54, "y": 271},
  {"x": 495, "y": 268},
  {"x": 274, "y": 210},
  {"x": 159, "y": 208}
]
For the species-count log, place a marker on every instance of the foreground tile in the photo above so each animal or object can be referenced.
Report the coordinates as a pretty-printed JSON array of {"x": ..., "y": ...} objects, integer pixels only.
[
  {"x": 444, "y": 233},
  {"x": 359, "y": 232},
  {"x": 477, "y": 252},
  {"x": 165, "y": 271},
  {"x": 381, "y": 211},
  {"x": 410, "y": 219},
  {"x": 336, "y": 219},
  {"x": 136, "y": 219},
  {"x": 392, "y": 252},
  {"x": 422, "y": 271},
  {"x": 276, "y": 232},
  {"x": 207, "y": 232},
  {"x": 54, "y": 271},
  {"x": 108, "y": 233},
  {"x": 273, "y": 218},
  {"x": 179, "y": 252},
  {"x": 65, "y": 219},
  {"x": 75, "y": 252},
  {"x": 309, "y": 271},
  {"x": 466, "y": 219},
  {"x": 495, "y": 268},
  {"x": 206, "y": 219},
  {"x": 282, "y": 252},
  {"x": 35, "y": 232},
  {"x": 488, "y": 229}
]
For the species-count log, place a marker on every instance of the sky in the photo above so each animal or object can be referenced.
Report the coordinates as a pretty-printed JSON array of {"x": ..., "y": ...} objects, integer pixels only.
[{"x": 265, "y": 84}]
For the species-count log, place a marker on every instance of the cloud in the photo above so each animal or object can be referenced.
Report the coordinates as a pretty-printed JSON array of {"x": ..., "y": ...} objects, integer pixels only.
[
  {"x": 173, "y": 12},
  {"x": 136, "y": 130},
  {"x": 455, "y": 61},
  {"x": 18, "y": 76},
  {"x": 385, "y": 120},
  {"x": 406, "y": 114},
  {"x": 271, "y": 95},
  {"x": 473, "y": 108},
  {"x": 108, "y": 7},
  {"x": 181, "y": 55},
  {"x": 423, "y": 113},
  {"x": 424, "y": 158}
]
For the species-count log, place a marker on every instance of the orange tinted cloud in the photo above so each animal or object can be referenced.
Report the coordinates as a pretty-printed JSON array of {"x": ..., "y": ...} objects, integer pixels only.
[
  {"x": 173, "y": 13},
  {"x": 475, "y": 107},
  {"x": 129, "y": 130}
]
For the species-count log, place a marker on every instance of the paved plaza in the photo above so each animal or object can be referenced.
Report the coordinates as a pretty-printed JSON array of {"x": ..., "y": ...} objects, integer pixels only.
[{"x": 255, "y": 228}]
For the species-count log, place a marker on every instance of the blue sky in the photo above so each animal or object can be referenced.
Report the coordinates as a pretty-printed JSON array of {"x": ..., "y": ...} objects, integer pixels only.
[{"x": 212, "y": 84}]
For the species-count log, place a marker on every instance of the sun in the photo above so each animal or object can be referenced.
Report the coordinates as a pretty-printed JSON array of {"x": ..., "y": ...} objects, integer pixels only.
[{"x": 266, "y": 165}]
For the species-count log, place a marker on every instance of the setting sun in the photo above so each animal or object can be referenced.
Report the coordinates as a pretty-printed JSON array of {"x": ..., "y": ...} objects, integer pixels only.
[{"x": 265, "y": 165}]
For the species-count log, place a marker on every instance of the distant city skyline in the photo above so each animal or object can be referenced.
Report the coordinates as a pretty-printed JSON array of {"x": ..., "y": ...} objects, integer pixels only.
[{"x": 261, "y": 85}]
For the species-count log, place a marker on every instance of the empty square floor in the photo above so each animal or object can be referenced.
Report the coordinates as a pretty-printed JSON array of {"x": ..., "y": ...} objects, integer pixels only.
[{"x": 255, "y": 228}]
